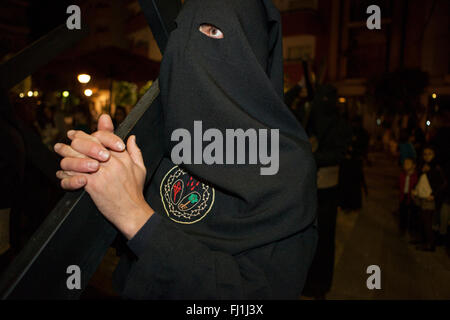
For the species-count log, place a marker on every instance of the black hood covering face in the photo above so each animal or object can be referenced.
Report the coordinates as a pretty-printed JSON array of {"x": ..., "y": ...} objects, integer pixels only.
[{"x": 230, "y": 83}]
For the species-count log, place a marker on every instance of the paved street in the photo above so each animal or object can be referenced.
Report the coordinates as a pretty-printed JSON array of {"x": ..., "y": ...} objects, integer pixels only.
[{"x": 371, "y": 238}]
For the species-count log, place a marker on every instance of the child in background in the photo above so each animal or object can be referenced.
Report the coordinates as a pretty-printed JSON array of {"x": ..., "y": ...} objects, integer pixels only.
[
  {"x": 429, "y": 195},
  {"x": 407, "y": 212},
  {"x": 406, "y": 148}
]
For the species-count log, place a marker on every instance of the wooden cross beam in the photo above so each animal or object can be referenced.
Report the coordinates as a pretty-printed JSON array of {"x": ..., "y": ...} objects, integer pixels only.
[{"x": 38, "y": 54}]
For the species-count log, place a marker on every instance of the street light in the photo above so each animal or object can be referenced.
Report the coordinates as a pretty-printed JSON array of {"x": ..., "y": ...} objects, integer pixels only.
[
  {"x": 65, "y": 94},
  {"x": 30, "y": 93},
  {"x": 88, "y": 92},
  {"x": 84, "y": 78}
]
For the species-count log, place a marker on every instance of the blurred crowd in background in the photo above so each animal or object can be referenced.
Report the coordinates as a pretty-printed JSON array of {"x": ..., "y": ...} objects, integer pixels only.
[
  {"x": 341, "y": 146},
  {"x": 51, "y": 123},
  {"x": 30, "y": 190},
  {"x": 371, "y": 91}
]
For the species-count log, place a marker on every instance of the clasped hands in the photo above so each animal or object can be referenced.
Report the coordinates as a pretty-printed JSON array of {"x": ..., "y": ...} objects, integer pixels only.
[{"x": 113, "y": 174}]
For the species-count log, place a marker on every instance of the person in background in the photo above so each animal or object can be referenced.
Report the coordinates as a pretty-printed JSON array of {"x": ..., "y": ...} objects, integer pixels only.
[
  {"x": 94, "y": 117},
  {"x": 406, "y": 148},
  {"x": 429, "y": 195},
  {"x": 47, "y": 127},
  {"x": 294, "y": 100},
  {"x": 418, "y": 139},
  {"x": 25, "y": 112},
  {"x": 386, "y": 138},
  {"x": 329, "y": 135},
  {"x": 27, "y": 193},
  {"x": 292, "y": 96},
  {"x": 119, "y": 116},
  {"x": 82, "y": 119},
  {"x": 407, "y": 209},
  {"x": 351, "y": 173},
  {"x": 441, "y": 142},
  {"x": 12, "y": 168}
]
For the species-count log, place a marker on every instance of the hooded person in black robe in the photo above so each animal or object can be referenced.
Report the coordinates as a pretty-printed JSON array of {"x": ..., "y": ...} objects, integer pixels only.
[
  {"x": 221, "y": 230},
  {"x": 251, "y": 235},
  {"x": 330, "y": 136},
  {"x": 351, "y": 171}
]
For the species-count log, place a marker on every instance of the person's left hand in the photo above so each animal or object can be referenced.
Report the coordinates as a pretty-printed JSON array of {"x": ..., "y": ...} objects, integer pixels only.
[{"x": 116, "y": 187}]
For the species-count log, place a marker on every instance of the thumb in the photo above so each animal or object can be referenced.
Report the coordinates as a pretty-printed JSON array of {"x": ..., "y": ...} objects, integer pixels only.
[
  {"x": 135, "y": 152},
  {"x": 105, "y": 123}
]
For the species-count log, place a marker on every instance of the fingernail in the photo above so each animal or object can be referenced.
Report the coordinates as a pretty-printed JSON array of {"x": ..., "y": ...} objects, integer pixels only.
[
  {"x": 104, "y": 155},
  {"x": 92, "y": 165},
  {"x": 81, "y": 180},
  {"x": 70, "y": 132},
  {"x": 57, "y": 146},
  {"x": 120, "y": 146}
]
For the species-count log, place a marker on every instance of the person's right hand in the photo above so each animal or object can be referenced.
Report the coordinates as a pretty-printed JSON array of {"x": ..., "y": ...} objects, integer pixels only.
[{"x": 84, "y": 154}]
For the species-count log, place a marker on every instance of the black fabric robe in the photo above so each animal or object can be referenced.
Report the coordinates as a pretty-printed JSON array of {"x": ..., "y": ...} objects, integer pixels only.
[{"x": 224, "y": 231}]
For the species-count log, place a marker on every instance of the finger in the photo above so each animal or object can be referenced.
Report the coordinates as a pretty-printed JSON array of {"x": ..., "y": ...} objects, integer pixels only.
[
  {"x": 73, "y": 183},
  {"x": 91, "y": 148},
  {"x": 79, "y": 165},
  {"x": 109, "y": 140},
  {"x": 103, "y": 139},
  {"x": 135, "y": 152},
  {"x": 61, "y": 174},
  {"x": 73, "y": 134},
  {"x": 88, "y": 145},
  {"x": 66, "y": 151},
  {"x": 105, "y": 123}
]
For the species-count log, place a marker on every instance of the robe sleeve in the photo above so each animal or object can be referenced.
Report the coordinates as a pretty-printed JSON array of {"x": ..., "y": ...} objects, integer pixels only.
[
  {"x": 137, "y": 243},
  {"x": 175, "y": 265}
]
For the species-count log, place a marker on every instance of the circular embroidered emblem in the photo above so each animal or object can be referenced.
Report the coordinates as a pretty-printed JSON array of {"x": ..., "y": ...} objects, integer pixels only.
[{"x": 185, "y": 199}]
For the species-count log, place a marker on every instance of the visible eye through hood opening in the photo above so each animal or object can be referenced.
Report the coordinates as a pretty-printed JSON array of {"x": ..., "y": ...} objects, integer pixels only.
[{"x": 211, "y": 31}]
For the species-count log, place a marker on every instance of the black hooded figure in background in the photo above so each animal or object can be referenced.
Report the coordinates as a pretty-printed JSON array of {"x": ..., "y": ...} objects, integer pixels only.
[
  {"x": 330, "y": 135},
  {"x": 257, "y": 240},
  {"x": 221, "y": 230}
]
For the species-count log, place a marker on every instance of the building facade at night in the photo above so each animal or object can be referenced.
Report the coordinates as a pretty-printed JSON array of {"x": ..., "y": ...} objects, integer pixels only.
[{"x": 333, "y": 36}]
